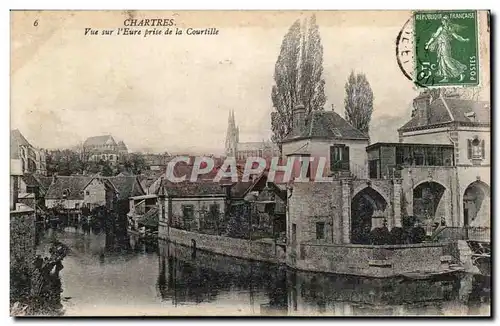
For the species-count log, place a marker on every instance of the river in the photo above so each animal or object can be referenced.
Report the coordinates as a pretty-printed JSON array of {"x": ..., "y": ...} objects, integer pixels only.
[{"x": 174, "y": 280}]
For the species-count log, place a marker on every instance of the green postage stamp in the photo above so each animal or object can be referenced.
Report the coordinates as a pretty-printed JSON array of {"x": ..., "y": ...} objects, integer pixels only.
[{"x": 446, "y": 48}]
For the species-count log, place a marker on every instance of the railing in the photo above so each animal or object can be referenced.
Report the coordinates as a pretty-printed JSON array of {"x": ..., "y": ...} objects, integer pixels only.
[{"x": 462, "y": 233}]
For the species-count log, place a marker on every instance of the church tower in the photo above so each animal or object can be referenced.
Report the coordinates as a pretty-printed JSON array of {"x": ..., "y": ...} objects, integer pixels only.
[{"x": 232, "y": 136}]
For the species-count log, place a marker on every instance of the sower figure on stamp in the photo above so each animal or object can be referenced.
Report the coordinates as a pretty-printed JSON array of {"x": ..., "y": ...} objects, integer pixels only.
[{"x": 440, "y": 42}]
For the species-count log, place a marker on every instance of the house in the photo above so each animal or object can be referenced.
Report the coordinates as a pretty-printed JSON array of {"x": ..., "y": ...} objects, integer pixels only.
[
  {"x": 32, "y": 160},
  {"x": 192, "y": 207},
  {"x": 126, "y": 186},
  {"x": 72, "y": 193},
  {"x": 459, "y": 126},
  {"x": 326, "y": 135}
]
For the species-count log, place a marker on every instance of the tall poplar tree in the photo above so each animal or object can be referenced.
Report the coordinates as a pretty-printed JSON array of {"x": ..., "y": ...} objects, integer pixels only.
[
  {"x": 358, "y": 102},
  {"x": 298, "y": 76}
]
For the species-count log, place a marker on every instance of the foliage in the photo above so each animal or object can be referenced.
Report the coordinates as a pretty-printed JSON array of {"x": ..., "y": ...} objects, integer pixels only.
[
  {"x": 298, "y": 76},
  {"x": 397, "y": 235},
  {"x": 417, "y": 234},
  {"x": 380, "y": 236},
  {"x": 358, "y": 102},
  {"x": 68, "y": 162}
]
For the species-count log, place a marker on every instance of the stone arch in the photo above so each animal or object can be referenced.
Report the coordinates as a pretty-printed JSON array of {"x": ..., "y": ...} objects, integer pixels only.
[
  {"x": 366, "y": 205},
  {"x": 375, "y": 188},
  {"x": 429, "y": 201},
  {"x": 476, "y": 204}
]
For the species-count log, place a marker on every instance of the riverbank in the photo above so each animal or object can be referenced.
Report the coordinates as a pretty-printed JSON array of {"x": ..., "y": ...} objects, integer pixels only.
[{"x": 417, "y": 260}]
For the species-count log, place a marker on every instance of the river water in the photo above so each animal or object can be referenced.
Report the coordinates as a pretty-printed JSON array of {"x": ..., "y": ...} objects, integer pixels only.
[{"x": 98, "y": 280}]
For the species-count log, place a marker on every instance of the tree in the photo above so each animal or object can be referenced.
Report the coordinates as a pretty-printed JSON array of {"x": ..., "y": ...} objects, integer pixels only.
[
  {"x": 298, "y": 76},
  {"x": 358, "y": 102}
]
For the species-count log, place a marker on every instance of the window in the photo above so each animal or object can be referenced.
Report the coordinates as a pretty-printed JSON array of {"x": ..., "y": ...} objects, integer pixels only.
[
  {"x": 77, "y": 205},
  {"x": 187, "y": 215},
  {"x": 87, "y": 192},
  {"x": 373, "y": 167},
  {"x": 475, "y": 148},
  {"x": 294, "y": 233},
  {"x": 339, "y": 158},
  {"x": 320, "y": 230}
]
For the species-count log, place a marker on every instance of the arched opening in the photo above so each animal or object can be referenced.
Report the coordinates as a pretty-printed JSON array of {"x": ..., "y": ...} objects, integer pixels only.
[
  {"x": 427, "y": 201},
  {"x": 365, "y": 205},
  {"x": 476, "y": 204}
]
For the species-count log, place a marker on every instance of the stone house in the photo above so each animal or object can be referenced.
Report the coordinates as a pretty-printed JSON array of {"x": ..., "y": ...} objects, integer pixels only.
[
  {"x": 428, "y": 175},
  {"x": 191, "y": 206},
  {"x": 463, "y": 187},
  {"x": 325, "y": 134}
]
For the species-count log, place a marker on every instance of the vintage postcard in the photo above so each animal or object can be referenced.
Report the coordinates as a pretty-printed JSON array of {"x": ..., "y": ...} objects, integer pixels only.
[{"x": 250, "y": 163}]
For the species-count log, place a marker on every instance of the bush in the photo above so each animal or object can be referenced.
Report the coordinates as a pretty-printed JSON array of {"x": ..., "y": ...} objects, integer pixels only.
[
  {"x": 417, "y": 234},
  {"x": 397, "y": 235},
  {"x": 380, "y": 236}
]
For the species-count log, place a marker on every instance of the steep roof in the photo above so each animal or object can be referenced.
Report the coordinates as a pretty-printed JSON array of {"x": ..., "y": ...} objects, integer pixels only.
[
  {"x": 327, "y": 125},
  {"x": 73, "y": 184},
  {"x": 449, "y": 110},
  {"x": 193, "y": 189},
  {"x": 122, "y": 146},
  {"x": 127, "y": 186},
  {"x": 98, "y": 140},
  {"x": 16, "y": 139}
]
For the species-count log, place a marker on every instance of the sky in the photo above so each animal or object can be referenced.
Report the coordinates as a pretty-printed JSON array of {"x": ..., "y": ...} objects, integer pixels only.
[{"x": 174, "y": 93}]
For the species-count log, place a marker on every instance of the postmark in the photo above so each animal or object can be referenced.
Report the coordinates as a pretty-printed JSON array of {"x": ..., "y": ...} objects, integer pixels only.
[{"x": 445, "y": 48}]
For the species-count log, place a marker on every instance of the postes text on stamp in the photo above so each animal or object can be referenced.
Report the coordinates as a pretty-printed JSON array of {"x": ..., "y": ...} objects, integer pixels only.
[{"x": 446, "y": 48}]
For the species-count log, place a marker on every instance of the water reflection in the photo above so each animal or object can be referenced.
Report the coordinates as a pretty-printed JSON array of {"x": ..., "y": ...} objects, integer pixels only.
[
  {"x": 184, "y": 279},
  {"x": 173, "y": 280}
]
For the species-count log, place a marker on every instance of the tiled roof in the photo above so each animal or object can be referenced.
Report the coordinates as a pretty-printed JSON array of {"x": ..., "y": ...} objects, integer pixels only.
[
  {"x": 193, "y": 189},
  {"x": 446, "y": 110},
  {"x": 127, "y": 186},
  {"x": 148, "y": 177},
  {"x": 460, "y": 108},
  {"x": 98, "y": 140},
  {"x": 73, "y": 184},
  {"x": 327, "y": 125}
]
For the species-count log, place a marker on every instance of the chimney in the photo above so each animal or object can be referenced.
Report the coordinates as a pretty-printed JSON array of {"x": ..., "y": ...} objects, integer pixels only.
[
  {"x": 298, "y": 119},
  {"x": 421, "y": 104}
]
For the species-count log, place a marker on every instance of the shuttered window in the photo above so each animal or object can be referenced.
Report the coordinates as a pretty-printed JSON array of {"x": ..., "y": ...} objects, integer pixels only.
[{"x": 339, "y": 158}]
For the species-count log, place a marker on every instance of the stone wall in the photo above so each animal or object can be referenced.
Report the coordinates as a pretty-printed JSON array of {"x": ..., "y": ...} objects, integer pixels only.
[
  {"x": 366, "y": 260},
  {"x": 241, "y": 248},
  {"x": 22, "y": 251}
]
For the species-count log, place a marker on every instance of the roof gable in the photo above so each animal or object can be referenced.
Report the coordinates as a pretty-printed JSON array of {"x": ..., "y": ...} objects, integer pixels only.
[
  {"x": 127, "y": 186},
  {"x": 328, "y": 125},
  {"x": 444, "y": 110},
  {"x": 99, "y": 140},
  {"x": 71, "y": 187}
]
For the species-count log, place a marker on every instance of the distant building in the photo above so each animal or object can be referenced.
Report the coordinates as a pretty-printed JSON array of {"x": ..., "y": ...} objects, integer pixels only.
[
  {"x": 234, "y": 148},
  {"x": 31, "y": 159},
  {"x": 103, "y": 148}
]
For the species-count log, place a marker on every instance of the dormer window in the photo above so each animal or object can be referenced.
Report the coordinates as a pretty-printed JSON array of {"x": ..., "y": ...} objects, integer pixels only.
[
  {"x": 471, "y": 116},
  {"x": 65, "y": 193},
  {"x": 475, "y": 149}
]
